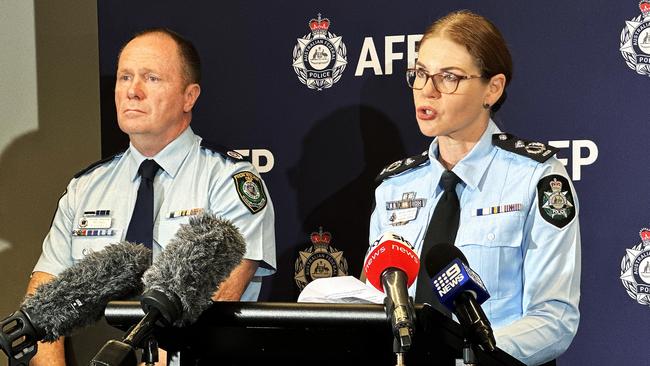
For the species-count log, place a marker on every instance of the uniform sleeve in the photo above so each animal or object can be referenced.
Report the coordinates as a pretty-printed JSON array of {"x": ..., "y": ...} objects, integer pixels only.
[
  {"x": 375, "y": 221},
  {"x": 551, "y": 271},
  {"x": 241, "y": 196},
  {"x": 56, "y": 255}
]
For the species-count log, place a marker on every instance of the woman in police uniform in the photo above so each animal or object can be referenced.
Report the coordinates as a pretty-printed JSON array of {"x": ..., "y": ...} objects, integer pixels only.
[{"x": 518, "y": 225}]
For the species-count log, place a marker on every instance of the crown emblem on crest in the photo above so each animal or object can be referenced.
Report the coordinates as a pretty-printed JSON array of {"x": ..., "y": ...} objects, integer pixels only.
[
  {"x": 320, "y": 238},
  {"x": 645, "y": 236},
  {"x": 556, "y": 185},
  {"x": 320, "y": 260},
  {"x": 644, "y": 5},
  {"x": 319, "y": 26}
]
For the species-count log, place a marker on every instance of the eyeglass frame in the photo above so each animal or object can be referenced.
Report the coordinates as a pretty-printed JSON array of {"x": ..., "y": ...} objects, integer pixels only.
[{"x": 431, "y": 76}]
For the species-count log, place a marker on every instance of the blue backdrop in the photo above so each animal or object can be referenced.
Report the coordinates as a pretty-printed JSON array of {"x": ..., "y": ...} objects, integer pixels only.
[{"x": 573, "y": 86}]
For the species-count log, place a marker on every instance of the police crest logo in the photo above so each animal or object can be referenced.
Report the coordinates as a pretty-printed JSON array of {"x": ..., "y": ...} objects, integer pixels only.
[
  {"x": 635, "y": 40},
  {"x": 635, "y": 269},
  {"x": 319, "y": 57},
  {"x": 556, "y": 200},
  {"x": 319, "y": 261},
  {"x": 250, "y": 191}
]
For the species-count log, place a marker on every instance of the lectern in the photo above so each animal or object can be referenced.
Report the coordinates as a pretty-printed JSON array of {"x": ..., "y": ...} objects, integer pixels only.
[{"x": 260, "y": 333}]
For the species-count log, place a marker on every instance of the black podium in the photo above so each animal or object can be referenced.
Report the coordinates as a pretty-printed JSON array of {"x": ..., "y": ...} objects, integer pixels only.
[{"x": 247, "y": 333}]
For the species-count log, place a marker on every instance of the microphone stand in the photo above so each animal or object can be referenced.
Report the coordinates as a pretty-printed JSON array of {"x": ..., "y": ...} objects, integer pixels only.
[
  {"x": 116, "y": 353},
  {"x": 158, "y": 307},
  {"x": 399, "y": 352},
  {"x": 150, "y": 352},
  {"x": 469, "y": 357}
]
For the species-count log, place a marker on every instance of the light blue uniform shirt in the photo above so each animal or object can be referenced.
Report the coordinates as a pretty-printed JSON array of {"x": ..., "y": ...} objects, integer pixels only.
[
  {"x": 530, "y": 267},
  {"x": 191, "y": 177}
]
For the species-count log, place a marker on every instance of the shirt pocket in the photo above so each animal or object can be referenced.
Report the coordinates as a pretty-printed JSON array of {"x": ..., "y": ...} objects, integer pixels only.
[
  {"x": 167, "y": 229},
  {"x": 492, "y": 246},
  {"x": 84, "y": 245}
]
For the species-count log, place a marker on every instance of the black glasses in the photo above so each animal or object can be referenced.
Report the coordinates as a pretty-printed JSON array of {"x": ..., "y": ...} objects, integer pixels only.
[{"x": 444, "y": 82}]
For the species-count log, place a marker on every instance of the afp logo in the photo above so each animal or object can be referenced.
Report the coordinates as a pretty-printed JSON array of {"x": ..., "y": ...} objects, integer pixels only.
[
  {"x": 635, "y": 40},
  {"x": 635, "y": 269},
  {"x": 319, "y": 58}
]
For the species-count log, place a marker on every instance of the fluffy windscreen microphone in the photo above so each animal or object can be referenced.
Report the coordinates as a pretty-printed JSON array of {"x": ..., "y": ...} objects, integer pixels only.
[
  {"x": 76, "y": 298},
  {"x": 193, "y": 264},
  {"x": 180, "y": 283}
]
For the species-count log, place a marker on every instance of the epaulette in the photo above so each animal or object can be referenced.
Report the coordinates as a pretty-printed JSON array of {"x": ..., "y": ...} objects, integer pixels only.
[
  {"x": 225, "y": 152},
  {"x": 94, "y": 165},
  {"x": 535, "y": 150},
  {"x": 402, "y": 165}
]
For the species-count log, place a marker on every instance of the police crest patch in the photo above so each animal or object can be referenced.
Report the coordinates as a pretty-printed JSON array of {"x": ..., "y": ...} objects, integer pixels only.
[
  {"x": 555, "y": 200},
  {"x": 250, "y": 191},
  {"x": 319, "y": 58},
  {"x": 635, "y": 269},
  {"x": 635, "y": 40},
  {"x": 319, "y": 261}
]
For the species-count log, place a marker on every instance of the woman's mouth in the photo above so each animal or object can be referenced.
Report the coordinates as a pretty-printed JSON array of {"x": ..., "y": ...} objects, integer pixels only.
[{"x": 426, "y": 113}]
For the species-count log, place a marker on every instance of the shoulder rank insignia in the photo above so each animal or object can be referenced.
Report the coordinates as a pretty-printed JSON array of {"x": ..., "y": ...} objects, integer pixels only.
[
  {"x": 555, "y": 200},
  {"x": 225, "y": 152},
  {"x": 94, "y": 165},
  {"x": 402, "y": 165},
  {"x": 535, "y": 150},
  {"x": 250, "y": 190}
]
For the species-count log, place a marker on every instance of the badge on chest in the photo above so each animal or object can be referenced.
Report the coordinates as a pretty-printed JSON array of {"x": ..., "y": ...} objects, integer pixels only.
[
  {"x": 95, "y": 223},
  {"x": 401, "y": 212}
]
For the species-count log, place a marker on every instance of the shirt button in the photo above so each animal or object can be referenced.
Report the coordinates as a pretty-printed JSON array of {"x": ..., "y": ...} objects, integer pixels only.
[{"x": 490, "y": 236}]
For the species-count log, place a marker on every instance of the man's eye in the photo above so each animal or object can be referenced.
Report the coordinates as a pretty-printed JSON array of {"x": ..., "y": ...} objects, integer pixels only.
[
  {"x": 153, "y": 78},
  {"x": 125, "y": 77}
]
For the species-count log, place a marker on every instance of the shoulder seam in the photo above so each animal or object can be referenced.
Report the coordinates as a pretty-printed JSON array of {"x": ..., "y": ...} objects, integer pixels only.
[
  {"x": 96, "y": 164},
  {"x": 229, "y": 154},
  {"x": 537, "y": 151},
  {"x": 403, "y": 165}
]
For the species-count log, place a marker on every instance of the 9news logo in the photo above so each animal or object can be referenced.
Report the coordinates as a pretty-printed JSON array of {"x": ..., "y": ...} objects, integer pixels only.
[{"x": 449, "y": 279}]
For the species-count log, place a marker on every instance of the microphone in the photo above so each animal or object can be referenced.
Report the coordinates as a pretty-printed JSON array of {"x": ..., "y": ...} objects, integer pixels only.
[
  {"x": 75, "y": 298},
  {"x": 189, "y": 270},
  {"x": 180, "y": 282},
  {"x": 462, "y": 291},
  {"x": 391, "y": 267}
]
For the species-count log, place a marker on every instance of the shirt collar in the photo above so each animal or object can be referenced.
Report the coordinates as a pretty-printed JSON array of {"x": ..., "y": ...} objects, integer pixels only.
[
  {"x": 473, "y": 166},
  {"x": 169, "y": 158}
]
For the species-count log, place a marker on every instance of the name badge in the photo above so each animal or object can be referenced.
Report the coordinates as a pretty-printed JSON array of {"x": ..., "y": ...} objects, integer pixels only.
[
  {"x": 96, "y": 222},
  {"x": 401, "y": 217}
]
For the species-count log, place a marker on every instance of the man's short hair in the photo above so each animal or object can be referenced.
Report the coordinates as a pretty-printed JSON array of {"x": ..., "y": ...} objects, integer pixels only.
[{"x": 186, "y": 50}]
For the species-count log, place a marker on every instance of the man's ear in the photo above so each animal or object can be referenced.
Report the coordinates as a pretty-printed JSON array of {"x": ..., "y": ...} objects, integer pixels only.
[{"x": 191, "y": 93}]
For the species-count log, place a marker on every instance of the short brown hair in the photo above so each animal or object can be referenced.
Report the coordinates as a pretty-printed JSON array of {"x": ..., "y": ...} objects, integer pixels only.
[
  {"x": 186, "y": 50},
  {"x": 482, "y": 39}
]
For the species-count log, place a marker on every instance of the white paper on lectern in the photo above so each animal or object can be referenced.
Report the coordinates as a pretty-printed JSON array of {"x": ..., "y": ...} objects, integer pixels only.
[{"x": 341, "y": 289}]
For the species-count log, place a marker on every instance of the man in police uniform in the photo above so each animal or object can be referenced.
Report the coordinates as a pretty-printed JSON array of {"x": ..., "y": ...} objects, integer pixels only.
[{"x": 156, "y": 88}]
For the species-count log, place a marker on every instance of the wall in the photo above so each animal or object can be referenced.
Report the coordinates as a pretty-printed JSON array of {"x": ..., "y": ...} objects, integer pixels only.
[{"x": 49, "y": 108}]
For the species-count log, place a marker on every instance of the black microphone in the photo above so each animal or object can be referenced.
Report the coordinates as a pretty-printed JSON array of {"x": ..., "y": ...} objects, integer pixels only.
[
  {"x": 76, "y": 298},
  {"x": 180, "y": 282},
  {"x": 462, "y": 291}
]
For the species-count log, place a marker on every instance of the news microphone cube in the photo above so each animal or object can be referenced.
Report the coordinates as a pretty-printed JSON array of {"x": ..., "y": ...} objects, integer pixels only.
[{"x": 456, "y": 278}]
